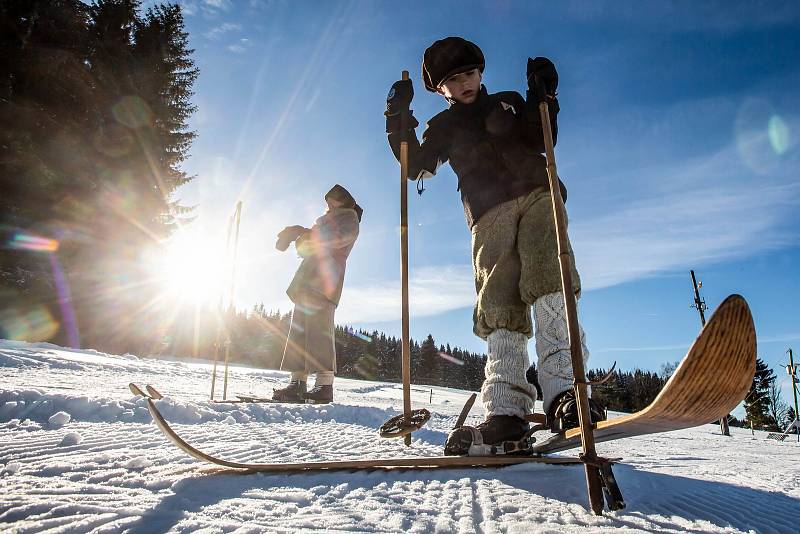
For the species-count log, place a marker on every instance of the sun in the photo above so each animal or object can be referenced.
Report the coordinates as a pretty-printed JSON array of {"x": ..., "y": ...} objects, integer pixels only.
[{"x": 191, "y": 267}]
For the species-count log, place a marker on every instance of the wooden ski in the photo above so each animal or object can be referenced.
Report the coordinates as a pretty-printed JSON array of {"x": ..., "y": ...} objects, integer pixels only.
[
  {"x": 711, "y": 380},
  {"x": 420, "y": 462}
]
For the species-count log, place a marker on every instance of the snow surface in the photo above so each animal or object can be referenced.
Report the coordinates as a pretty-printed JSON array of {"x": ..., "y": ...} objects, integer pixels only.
[{"x": 79, "y": 453}]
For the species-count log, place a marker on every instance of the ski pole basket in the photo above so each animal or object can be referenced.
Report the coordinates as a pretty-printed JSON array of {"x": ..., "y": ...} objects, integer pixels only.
[{"x": 400, "y": 426}]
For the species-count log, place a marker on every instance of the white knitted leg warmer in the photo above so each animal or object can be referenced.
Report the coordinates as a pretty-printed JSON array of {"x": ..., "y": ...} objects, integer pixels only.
[
  {"x": 505, "y": 390},
  {"x": 552, "y": 347},
  {"x": 299, "y": 375},
  {"x": 324, "y": 378}
]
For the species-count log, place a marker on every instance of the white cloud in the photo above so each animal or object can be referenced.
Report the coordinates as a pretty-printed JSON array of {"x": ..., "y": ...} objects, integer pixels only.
[
  {"x": 683, "y": 229},
  {"x": 240, "y": 46},
  {"x": 432, "y": 290},
  {"x": 225, "y": 27},
  {"x": 217, "y": 4}
]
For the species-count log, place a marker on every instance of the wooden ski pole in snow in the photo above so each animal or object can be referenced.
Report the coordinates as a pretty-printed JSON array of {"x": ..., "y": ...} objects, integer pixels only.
[
  {"x": 230, "y": 313},
  {"x": 221, "y": 326},
  {"x": 404, "y": 267},
  {"x": 411, "y": 420},
  {"x": 594, "y": 481}
]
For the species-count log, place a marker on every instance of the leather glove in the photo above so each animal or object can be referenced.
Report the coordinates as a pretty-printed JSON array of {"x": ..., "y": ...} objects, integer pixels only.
[{"x": 542, "y": 78}]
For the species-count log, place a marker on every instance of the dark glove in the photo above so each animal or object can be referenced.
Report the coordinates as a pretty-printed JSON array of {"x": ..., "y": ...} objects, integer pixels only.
[
  {"x": 542, "y": 78},
  {"x": 287, "y": 235},
  {"x": 399, "y": 97}
]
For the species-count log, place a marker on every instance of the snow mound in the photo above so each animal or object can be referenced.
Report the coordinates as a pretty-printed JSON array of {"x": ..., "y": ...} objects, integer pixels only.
[
  {"x": 70, "y": 439},
  {"x": 59, "y": 419}
]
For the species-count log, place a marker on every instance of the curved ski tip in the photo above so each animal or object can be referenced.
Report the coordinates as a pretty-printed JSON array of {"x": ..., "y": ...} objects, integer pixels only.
[{"x": 734, "y": 301}]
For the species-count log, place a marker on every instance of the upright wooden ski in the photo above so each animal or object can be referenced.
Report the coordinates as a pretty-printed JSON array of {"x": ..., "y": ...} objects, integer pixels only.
[{"x": 711, "y": 380}]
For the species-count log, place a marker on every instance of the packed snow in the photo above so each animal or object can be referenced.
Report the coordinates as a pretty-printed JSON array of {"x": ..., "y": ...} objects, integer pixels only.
[{"x": 79, "y": 453}]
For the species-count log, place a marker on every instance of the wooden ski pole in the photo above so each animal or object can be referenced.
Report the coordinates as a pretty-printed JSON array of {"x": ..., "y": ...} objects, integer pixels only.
[
  {"x": 221, "y": 326},
  {"x": 406, "y": 355},
  {"x": 237, "y": 216},
  {"x": 593, "y": 480}
]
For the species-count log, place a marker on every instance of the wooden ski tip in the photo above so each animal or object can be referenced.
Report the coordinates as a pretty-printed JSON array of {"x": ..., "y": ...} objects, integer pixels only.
[
  {"x": 153, "y": 392},
  {"x": 136, "y": 390}
]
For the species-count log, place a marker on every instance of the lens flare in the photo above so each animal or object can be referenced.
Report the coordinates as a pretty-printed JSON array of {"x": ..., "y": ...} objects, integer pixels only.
[
  {"x": 756, "y": 136},
  {"x": 21, "y": 241},
  {"x": 362, "y": 336},
  {"x": 33, "y": 324},
  {"x": 451, "y": 359},
  {"x": 778, "y": 134},
  {"x": 132, "y": 111}
]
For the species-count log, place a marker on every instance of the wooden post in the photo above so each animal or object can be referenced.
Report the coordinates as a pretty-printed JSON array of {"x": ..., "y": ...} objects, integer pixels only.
[
  {"x": 406, "y": 357},
  {"x": 594, "y": 482},
  {"x": 700, "y": 304}
]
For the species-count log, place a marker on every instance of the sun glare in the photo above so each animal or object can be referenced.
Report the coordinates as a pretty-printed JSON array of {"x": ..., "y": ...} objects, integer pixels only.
[{"x": 192, "y": 268}]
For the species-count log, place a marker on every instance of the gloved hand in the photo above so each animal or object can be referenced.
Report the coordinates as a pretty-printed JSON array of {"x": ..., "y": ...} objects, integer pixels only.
[
  {"x": 399, "y": 97},
  {"x": 287, "y": 235},
  {"x": 542, "y": 78}
]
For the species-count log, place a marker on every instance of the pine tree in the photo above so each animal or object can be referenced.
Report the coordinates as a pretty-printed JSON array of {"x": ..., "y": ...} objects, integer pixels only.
[
  {"x": 94, "y": 103},
  {"x": 757, "y": 401},
  {"x": 429, "y": 369},
  {"x": 790, "y": 416},
  {"x": 46, "y": 114}
]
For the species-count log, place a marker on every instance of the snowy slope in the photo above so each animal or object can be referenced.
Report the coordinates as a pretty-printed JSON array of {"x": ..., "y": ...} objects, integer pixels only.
[{"x": 78, "y": 453}]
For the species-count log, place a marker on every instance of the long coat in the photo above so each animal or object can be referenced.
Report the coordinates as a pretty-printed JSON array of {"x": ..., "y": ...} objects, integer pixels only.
[{"x": 324, "y": 249}]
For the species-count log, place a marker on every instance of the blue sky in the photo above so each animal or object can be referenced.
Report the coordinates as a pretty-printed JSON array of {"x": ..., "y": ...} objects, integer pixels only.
[{"x": 678, "y": 141}]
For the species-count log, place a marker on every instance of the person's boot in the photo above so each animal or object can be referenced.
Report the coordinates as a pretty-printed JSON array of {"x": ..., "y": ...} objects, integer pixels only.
[
  {"x": 294, "y": 392},
  {"x": 495, "y": 430},
  {"x": 320, "y": 395},
  {"x": 563, "y": 412}
]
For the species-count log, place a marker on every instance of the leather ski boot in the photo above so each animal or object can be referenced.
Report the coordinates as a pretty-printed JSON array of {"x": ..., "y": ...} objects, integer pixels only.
[
  {"x": 563, "y": 412},
  {"x": 320, "y": 395},
  {"x": 294, "y": 392},
  {"x": 488, "y": 438}
]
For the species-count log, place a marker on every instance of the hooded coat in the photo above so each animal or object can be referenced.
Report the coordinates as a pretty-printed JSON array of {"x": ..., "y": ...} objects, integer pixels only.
[{"x": 324, "y": 249}]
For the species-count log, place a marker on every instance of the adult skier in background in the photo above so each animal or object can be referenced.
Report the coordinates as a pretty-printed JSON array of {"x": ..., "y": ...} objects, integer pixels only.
[
  {"x": 494, "y": 143},
  {"x": 315, "y": 291}
]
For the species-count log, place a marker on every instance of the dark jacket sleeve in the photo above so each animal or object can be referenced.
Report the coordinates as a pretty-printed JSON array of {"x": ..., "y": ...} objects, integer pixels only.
[
  {"x": 423, "y": 159},
  {"x": 535, "y": 134}
]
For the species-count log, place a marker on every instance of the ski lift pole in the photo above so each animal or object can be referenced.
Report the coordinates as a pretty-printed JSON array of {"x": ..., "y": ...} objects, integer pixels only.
[
  {"x": 237, "y": 216},
  {"x": 700, "y": 304},
  {"x": 406, "y": 355},
  {"x": 598, "y": 473},
  {"x": 793, "y": 373}
]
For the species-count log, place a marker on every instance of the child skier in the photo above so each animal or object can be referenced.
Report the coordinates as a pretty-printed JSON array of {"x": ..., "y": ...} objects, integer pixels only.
[
  {"x": 494, "y": 144},
  {"x": 315, "y": 291}
]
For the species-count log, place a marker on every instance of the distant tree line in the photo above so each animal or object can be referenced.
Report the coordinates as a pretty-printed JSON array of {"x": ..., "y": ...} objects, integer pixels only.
[
  {"x": 257, "y": 339},
  {"x": 94, "y": 104}
]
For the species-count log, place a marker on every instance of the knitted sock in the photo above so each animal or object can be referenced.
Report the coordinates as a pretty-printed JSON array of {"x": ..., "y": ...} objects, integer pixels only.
[
  {"x": 324, "y": 378},
  {"x": 552, "y": 347},
  {"x": 505, "y": 390},
  {"x": 299, "y": 375}
]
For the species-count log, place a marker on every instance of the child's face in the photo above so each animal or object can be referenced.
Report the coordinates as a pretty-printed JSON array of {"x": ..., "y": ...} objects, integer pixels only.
[{"x": 462, "y": 87}]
